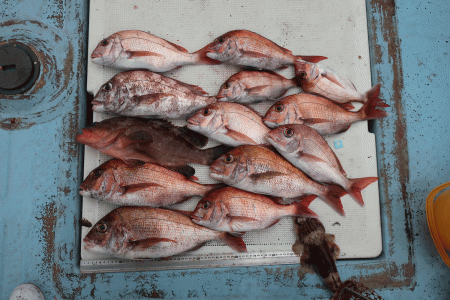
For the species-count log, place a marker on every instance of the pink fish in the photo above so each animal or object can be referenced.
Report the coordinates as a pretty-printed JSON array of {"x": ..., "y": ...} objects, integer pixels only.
[
  {"x": 259, "y": 170},
  {"x": 306, "y": 149},
  {"x": 319, "y": 113},
  {"x": 136, "y": 232},
  {"x": 254, "y": 87},
  {"x": 246, "y": 48},
  {"x": 233, "y": 210},
  {"x": 317, "y": 79},
  {"x": 135, "y": 49}
]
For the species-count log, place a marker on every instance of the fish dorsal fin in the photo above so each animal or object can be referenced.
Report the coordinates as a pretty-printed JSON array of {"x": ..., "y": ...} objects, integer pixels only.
[{"x": 178, "y": 47}]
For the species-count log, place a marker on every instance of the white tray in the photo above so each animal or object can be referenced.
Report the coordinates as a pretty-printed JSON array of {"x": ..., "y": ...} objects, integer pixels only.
[{"x": 336, "y": 29}]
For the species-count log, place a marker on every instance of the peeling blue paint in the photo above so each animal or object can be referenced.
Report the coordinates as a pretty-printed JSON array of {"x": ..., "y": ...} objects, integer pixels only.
[{"x": 40, "y": 167}]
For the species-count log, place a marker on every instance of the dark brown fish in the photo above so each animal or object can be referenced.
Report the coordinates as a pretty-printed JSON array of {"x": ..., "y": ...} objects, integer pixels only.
[
  {"x": 137, "y": 232},
  {"x": 137, "y": 141},
  {"x": 147, "y": 185}
]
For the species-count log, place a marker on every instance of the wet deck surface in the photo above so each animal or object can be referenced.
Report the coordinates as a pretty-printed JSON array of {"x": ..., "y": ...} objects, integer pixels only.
[{"x": 40, "y": 167}]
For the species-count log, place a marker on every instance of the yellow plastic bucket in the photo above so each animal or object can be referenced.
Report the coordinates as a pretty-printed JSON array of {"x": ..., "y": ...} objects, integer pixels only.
[{"x": 438, "y": 216}]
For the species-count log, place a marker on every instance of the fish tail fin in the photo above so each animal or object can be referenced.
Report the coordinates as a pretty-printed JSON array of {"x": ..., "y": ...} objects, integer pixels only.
[
  {"x": 313, "y": 59},
  {"x": 333, "y": 196},
  {"x": 200, "y": 58},
  {"x": 301, "y": 208},
  {"x": 369, "y": 111},
  {"x": 213, "y": 153},
  {"x": 372, "y": 96},
  {"x": 357, "y": 185},
  {"x": 234, "y": 242}
]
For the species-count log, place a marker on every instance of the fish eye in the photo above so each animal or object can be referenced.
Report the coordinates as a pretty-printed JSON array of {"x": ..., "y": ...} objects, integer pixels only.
[
  {"x": 226, "y": 85},
  {"x": 102, "y": 227},
  {"x": 302, "y": 74},
  {"x": 221, "y": 40},
  {"x": 288, "y": 132},
  {"x": 206, "y": 112},
  {"x": 279, "y": 108},
  {"x": 107, "y": 87},
  {"x": 104, "y": 42},
  {"x": 229, "y": 159},
  {"x": 98, "y": 173},
  {"x": 206, "y": 205}
]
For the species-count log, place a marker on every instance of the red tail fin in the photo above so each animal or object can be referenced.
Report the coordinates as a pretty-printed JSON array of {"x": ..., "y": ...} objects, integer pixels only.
[
  {"x": 357, "y": 185},
  {"x": 313, "y": 59},
  {"x": 333, "y": 198},
  {"x": 369, "y": 111},
  {"x": 234, "y": 242},
  {"x": 300, "y": 209},
  {"x": 202, "y": 59},
  {"x": 372, "y": 96}
]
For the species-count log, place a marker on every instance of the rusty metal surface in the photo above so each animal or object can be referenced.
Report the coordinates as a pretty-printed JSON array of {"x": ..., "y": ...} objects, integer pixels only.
[{"x": 40, "y": 167}]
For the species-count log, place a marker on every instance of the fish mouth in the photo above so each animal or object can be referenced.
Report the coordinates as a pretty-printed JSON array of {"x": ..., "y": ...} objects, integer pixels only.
[
  {"x": 83, "y": 137},
  {"x": 192, "y": 121},
  {"x": 96, "y": 102},
  {"x": 195, "y": 218},
  {"x": 95, "y": 55},
  {"x": 270, "y": 122},
  {"x": 88, "y": 244},
  {"x": 272, "y": 138}
]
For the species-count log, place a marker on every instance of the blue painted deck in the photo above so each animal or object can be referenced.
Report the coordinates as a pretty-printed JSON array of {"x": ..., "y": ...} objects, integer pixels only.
[{"x": 40, "y": 167}]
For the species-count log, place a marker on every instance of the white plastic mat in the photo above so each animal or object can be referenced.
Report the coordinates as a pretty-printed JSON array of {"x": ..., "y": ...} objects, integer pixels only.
[{"x": 336, "y": 29}]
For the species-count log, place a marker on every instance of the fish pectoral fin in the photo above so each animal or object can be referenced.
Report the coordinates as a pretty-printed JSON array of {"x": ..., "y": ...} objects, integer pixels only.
[
  {"x": 257, "y": 89},
  {"x": 151, "y": 98},
  {"x": 137, "y": 187},
  {"x": 186, "y": 170},
  {"x": 240, "y": 137},
  {"x": 309, "y": 157},
  {"x": 240, "y": 221},
  {"x": 196, "y": 138},
  {"x": 147, "y": 243},
  {"x": 255, "y": 54},
  {"x": 332, "y": 78},
  {"x": 265, "y": 175},
  {"x": 133, "y": 54}
]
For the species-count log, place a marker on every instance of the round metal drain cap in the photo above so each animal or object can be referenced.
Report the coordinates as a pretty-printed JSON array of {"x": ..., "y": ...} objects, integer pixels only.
[{"x": 19, "y": 68}]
